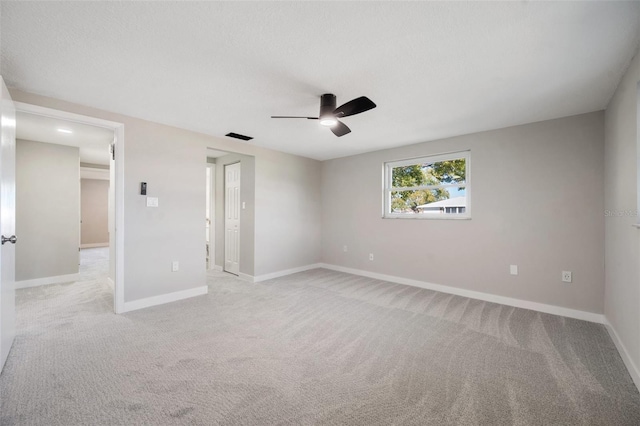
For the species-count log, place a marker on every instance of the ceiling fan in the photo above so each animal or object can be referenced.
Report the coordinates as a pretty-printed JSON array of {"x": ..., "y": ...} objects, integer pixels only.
[{"x": 329, "y": 114}]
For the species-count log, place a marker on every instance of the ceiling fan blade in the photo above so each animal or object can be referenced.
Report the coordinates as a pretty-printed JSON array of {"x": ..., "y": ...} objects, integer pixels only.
[
  {"x": 340, "y": 129},
  {"x": 353, "y": 107},
  {"x": 293, "y": 116}
]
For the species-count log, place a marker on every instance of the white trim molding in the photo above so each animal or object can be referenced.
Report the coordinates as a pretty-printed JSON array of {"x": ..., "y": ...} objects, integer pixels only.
[
  {"x": 634, "y": 372},
  {"x": 164, "y": 298},
  {"x": 47, "y": 280},
  {"x": 244, "y": 277},
  {"x": 278, "y": 274},
  {"x": 94, "y": 245},
  {"x": 509, "y": 301},
  {"x": 264, "y": 277}
]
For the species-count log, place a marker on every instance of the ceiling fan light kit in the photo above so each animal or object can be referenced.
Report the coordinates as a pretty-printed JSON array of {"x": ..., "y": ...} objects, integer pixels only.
[
  {"x": 329, "y": 114},
  {"x": 327, "y": 106},
  {"x": 328, "y": 121}
]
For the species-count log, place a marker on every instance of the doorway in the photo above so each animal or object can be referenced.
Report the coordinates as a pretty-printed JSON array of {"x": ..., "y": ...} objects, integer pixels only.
[
  {"x": 107, "y": 162},
  {"x": 232, "y": 249}
]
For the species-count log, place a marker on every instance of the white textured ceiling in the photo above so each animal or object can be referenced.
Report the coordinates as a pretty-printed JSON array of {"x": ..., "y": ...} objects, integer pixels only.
[
  {"x": 435, "y": 69},
  {"x": 92, "y": 141}
]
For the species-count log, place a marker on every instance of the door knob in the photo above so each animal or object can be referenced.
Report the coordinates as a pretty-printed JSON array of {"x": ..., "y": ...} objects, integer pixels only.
[{"x": 12, "y": 239}]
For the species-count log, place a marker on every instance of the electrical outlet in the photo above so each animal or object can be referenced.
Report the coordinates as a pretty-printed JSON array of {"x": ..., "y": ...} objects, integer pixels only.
[
  {"x": 175, "y": 265},
  {"x": 344, "y": 249},
  {"x": 513, "y": 269},
  {"x": 370, "y": 256},
  {"x": 566, "y": 276}
]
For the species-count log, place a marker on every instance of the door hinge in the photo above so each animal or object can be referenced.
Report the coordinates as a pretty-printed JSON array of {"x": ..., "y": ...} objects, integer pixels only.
[{"x": 112, "y": 148}]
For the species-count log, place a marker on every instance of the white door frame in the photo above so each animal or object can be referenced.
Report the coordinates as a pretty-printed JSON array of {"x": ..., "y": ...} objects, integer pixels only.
[
  {"x": 226, "y": 218},
  {"x": 212, "y": 215},
  {"x": 118, "y": 129}
]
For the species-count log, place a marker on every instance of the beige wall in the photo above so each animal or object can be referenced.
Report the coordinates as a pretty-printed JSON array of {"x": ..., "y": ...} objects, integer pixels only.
[
  {"x": 622, "y": 296},
  {"x": 171, "y": 161},
  {"x": 47, "y": 210},
  {"x": 537, "y": 201},
  {"x": 288, "y": 212},
  {"x": 94, "y": 209}
]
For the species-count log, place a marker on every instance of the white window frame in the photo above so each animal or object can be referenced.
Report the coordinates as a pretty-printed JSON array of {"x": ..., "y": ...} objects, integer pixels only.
[{"x": 387, "y": 188}]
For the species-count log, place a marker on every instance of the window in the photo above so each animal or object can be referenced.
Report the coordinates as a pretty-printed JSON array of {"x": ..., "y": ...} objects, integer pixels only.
[{"x": 434, "y": 187}]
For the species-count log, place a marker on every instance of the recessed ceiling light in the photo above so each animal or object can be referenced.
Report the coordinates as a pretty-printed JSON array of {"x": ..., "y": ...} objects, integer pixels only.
[{"x": 65, "y": 131}]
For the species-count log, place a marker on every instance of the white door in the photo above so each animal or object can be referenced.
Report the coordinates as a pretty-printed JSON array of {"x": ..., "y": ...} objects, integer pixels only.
[
  {"x": 232, "y": 218},
  {"x": 7, "y": 222}
]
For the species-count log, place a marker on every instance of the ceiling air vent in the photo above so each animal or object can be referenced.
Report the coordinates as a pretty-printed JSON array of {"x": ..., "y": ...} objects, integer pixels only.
[{"x": 238, "y": 136}]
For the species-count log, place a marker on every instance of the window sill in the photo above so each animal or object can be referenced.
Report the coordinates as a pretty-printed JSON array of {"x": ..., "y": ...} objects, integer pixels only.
[{"x": 428, "y": 218}]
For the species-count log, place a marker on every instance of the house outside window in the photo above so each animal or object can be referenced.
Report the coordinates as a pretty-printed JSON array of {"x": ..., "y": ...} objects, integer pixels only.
[{"x": 432, "y": 187}]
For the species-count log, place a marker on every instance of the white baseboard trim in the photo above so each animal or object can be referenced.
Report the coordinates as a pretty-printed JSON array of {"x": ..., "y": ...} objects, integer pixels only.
[
  {"x": 94, "y": 245},
  {"x": 246, "y": 277},
  {"x": 47, "y": 280},
  {"x": 634, "y": 372},
  {"x": 509, "y": 301},
  {"x": 285, "y": 272},
  {"x": 164, "y": 298},
  {"x": 217, "y": 268}
]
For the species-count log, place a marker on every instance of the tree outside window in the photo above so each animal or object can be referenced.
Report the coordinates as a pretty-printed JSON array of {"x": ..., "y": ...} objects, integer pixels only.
[{"x": 419, "y": 187}]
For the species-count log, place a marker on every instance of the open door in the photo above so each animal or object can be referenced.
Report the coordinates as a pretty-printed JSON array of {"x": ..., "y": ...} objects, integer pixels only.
[{"x": 7, "y": 222}]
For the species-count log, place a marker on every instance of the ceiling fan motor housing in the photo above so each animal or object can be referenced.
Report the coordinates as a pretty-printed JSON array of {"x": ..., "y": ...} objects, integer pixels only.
[{"x": 327, "y": 105}]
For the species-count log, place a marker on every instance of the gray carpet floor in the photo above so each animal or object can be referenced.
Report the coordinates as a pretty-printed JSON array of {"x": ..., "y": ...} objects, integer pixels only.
[{"x": 318, "y": 347}]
